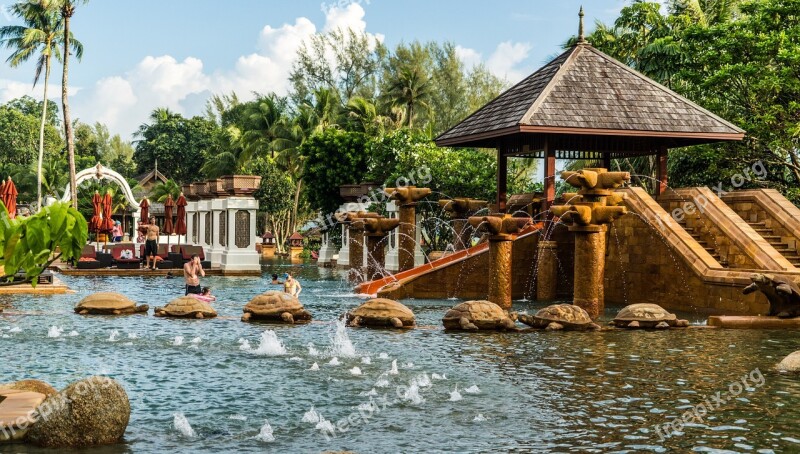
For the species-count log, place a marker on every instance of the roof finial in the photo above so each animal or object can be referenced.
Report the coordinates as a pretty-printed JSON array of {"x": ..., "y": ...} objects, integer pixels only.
[{"x": 581, "y": 38}]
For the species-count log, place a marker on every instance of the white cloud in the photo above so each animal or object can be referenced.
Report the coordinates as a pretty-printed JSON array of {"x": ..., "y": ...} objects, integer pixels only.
[
  {"x": 470, "y": 57},
  {"x": 12, "y": 89},
  {"x": 504, "y": 62}
]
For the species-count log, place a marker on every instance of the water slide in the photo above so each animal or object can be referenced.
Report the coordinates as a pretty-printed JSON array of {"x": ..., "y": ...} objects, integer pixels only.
[{"x": 372, "y": 287}]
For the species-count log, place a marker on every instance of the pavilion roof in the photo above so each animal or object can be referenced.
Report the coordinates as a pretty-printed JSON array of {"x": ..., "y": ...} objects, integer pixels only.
[{"x": 585, "y": 93}]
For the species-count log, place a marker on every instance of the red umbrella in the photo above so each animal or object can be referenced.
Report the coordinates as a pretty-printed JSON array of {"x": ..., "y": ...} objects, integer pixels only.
[
  {"x": 97, "y": 220},
  {"x": 107, "y": 225},
  {"x": 180, "y": 224},
  {"x": 169, "y": 229},
  {"x": 145, "y": 207},
  {"x": 10, "y": 199}
]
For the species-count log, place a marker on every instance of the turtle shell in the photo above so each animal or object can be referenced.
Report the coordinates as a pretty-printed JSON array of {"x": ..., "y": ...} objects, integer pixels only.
[
  {"x": 106, "y": 303},
  {"x": 648, "y": 315},
  {"x": 270, "y": 305},
  {"x": 485, "y": 315},
  {"x": 568, "y": 315},
  {"x": 187, "y": 306},
  {"x": 380, "y": 311}
]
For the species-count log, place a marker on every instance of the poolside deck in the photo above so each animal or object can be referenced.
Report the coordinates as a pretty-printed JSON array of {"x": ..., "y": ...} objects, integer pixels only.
[
  {"x": 58, "y": 287},
  {"x": 70, "y": 271}
]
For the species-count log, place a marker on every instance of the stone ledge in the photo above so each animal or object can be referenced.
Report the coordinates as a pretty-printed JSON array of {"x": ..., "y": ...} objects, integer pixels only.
[{"x": 753, "y": 322}]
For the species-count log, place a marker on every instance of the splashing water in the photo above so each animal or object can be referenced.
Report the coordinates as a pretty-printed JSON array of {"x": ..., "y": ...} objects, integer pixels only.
[
  {"x": 479, "y": 418},
  {"x": 270, "y": 345},
  {"x": 314, "y": 366},
  {"x": 366, "y": 360},
  {"x": 114, "y": 336},
  {"x": 424, "y": 381},
  {"x": 325, "y": 426},
  {"x": 455, "y": 396},
  {"x": 244, "y": 344},
  {"x": 312, "y": 416},
  {"x": 15, "y": 329},
  {"x": 412, "y": 393},
  {"x": 472, "y": 390},
  {"x": 73, "y": 333},
  {"x": 55, "y": 331},
  {"x": 334, "y": 362},
  {"x": 312, "y": 350},
  {"x": 197, "y": 340},
  {"x": 342, "y": 346},
  {"x": 371, "y": 392},
  {"x": 408, "y": 365},
  {"x": 265, "y": 434},
  {"x": 393, "y": 370},
  {"x": 355, "y": 371},
  {"x": 238, "y": 417},
  {"x": 295, "y": 358},
  {"x": 178, "y": 340},
  {"x": 383, "y": 356},
  {"x": 182, "y": 425},
  {"x": 382, "y": 382},
  {"x": 436, "y": 376}
]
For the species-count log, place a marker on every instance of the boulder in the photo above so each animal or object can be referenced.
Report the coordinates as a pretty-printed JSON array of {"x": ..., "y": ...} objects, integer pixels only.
[
  {"x": 93, "y": 411},
  {"x": 791, "y": 363},
  {"x": 36, "y": 386},
  {"x": 381, "y": 313},
  {"x": 477, "y": 315}
]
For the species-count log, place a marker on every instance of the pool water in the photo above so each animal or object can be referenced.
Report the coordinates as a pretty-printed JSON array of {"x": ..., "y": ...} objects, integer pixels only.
[{"x": 221, "y": 385}]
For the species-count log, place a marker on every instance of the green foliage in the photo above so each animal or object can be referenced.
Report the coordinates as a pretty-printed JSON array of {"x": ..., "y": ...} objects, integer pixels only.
[
  {"x": 19, "y": 136},
  {"x": 29, "y": 243},
  {"x": 332, "y": 158},
  {"x": 29, "y": 106},
  {"x": 161, "y": 191},
  {"x": 179, "y": 144}
]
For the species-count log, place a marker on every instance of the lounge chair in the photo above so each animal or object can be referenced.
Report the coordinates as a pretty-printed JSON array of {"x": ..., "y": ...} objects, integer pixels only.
[
  {"x": 93, "y": 260},
  {"x": 188, "y": 251},
  {"x": 132, "y": 263},
  {"x": 165, "y": 263}
]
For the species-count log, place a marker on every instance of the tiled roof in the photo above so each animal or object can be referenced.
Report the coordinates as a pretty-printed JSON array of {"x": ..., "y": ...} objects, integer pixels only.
[{"x": 585, "y": 89}]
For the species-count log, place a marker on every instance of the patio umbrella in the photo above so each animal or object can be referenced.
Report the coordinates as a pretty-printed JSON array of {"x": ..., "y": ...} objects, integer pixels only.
[
  {"x": 97, "y": 220},
  {"x": 180, "y": 223},
  {"x": 10, "y": 199},
  {"x": 145, "y": 212},
  {"x": 169, "y": 204},
  {"x": 108, "y": 224}
]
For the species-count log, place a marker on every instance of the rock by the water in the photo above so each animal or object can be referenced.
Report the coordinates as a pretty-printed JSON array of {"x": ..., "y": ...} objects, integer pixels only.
[
  {"x": 477, "y": 315},
  {"x": 36, "y": 386},
  {"x": 109, "y": 303},
  {"x": 381, "y": 313},
  {"x": 791, "y": 363},
  {"x": 93, "y": 411},
  {"x": 186, "y": 307},
  {"x": 560, "y": 316},
  {"x": 275, "y": 306},
  {"x": 647, "y": 315}
]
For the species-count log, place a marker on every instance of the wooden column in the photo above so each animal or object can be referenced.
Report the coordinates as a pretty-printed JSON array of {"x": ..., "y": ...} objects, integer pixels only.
[
  {"x": 502, "y": 180},
  {"x": 549, "y": 177},
  {"x": 661, "y": 170}
]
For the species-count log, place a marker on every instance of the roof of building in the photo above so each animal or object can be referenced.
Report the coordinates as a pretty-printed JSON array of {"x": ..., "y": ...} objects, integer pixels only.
[{"x": 586, "y": 92}]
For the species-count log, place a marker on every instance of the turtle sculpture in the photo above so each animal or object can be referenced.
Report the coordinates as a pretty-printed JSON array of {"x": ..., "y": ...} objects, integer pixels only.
[
  {"x": 275, "y": 306},
  {"x": 782, "y": 293},
  {"x": 186, "y": 307},
  {"x": 645, "y": 315},
  {"x": 381, "y": 313},
  {"x": 477, "y": 315},
  {"x": 560, "y": 316},
  {"x": 109, "y": 303}
]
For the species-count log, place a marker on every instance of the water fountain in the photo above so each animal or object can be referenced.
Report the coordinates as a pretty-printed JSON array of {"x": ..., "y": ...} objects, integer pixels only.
[
  {"x": 355, "y": 233},
  {"x": 546, "y": 270},
  {"x": 407, "y": 198},
  {"x": 588, "y": 214},
  {"x": 460, "y": 209},
  {"x": 376, "y": 230},
  {"x": 502, "y": 228}
]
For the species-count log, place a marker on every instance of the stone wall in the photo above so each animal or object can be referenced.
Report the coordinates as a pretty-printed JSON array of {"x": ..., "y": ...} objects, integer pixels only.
[{"x": 771, "y": 208}]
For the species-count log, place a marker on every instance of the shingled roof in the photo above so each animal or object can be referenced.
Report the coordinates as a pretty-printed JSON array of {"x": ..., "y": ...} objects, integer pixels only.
[{"x": 585, "y": 92}]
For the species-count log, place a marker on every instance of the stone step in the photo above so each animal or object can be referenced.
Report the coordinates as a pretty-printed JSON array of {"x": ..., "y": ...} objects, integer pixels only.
[
  {"x": 771, "y": 237},
  {"x": 759, "y": 223},
  {"x": 760, "y": 231}
]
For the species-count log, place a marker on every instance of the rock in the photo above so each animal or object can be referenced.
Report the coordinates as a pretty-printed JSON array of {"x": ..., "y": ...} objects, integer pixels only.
[
  {"x": 791, "y": 363},
  {"x": 646, "y": 315},
  {"x": 565, "y": 316},
  {"x": 275, "y": 306},
  {"x": 381, "y": 313},
  {"x": 93, "y": 411},
  {"x": 186, "y": 307},
  {"x": 477, "y": 315},
  {"x": 662, "y": 325},
  {"x": 109, "y": 303},
  {"x": 36, "y": 386}
]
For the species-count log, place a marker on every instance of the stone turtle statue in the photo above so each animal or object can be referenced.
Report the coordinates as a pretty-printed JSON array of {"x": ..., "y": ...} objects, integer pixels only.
[
  {"x": 477, "y": 315},
  {"x": 109, "y": 303},
  {"x": 647, "y": 315},
  {"x": 381, "y": 313},
  {"x": 275, "y": 306},
  {"x": 560, "y": 316},
  {"x": 782, "y": 293},
  {"x": 186, "y": 307}
]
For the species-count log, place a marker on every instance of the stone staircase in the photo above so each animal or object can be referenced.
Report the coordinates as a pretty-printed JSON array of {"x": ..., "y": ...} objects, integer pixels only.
[
  {"x": 704, "y": 243},
  {"x": 777, "y": 242}
]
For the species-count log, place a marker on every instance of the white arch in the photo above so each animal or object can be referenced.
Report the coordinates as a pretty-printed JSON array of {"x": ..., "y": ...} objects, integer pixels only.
[{"x": 99, "y": 172}]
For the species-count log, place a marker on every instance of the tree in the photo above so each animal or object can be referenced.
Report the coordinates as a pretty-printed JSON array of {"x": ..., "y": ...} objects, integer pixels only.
[
  {"x": 67, "y": 11},
  {"x": 179, "y": 144},
  {"x": 409, "y": 88},
  {"x": 263, "y": 119},
  {"x": 162, "y": 190},
  {"x": 40, "y": 35},
  {"x": 274, "y": 197}
]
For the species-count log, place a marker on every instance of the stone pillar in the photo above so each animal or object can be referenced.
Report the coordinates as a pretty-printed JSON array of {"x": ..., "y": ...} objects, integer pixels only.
[
  {"x": 376, "y": 231},
  {"x": 326, "y": 250},
  {"x": 239, "y": 254},
  {"x": 546, "y": 271},
  {"x": 460, "y": 209},
  {"x": 392, "y": 259},
  {"x": 501, "y": 228},
  {"x": 407, "y": 199},
  {"x": 590, "y": 263},
  {"x": 344, "y": 253},
  {"x": 356, "y": 244}
]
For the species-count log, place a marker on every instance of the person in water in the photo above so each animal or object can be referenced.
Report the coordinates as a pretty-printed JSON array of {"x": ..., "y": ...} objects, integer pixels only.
[
  {"x": 206, "y": 295},
  {"x": 291, "y": 286},
  {"x": 275, "y": 280},
  {"x": 191, "y": 273}
]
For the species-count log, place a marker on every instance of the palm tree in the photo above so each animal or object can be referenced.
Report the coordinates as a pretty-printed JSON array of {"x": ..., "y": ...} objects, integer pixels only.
[
  {"x": 162, "y": 190},
  {"x": 263, "y": 118},
  {"x": 67, "y": 8},
  {"x": 410, "y": 88},
  {"x": 41, "y": 34}
]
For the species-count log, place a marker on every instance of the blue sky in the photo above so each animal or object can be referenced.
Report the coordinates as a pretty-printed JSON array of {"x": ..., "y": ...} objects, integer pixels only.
[{"x": 149, "y": 53}]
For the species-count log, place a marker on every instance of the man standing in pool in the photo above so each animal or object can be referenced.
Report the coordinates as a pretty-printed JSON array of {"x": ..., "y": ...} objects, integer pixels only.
[
  {"x": 151, "y": 244},
  {"x": 291, "y": 286},
  {"x": 192, "y": 271}
]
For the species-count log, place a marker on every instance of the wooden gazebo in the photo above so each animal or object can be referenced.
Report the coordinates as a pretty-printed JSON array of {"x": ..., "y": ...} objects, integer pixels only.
[{"x": 586, "y": 105}]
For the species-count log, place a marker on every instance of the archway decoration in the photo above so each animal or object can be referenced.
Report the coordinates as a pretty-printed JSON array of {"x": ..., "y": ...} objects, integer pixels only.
[{"x": 100, "y": 172}]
